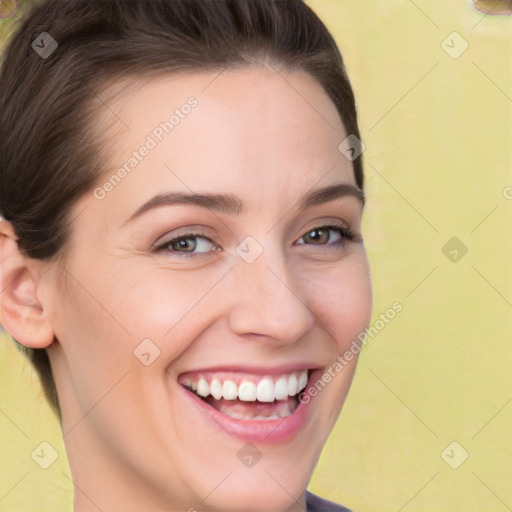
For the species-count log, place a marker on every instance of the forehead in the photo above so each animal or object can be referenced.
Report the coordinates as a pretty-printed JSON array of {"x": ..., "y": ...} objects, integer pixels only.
[{"x": 261, "y": 132}]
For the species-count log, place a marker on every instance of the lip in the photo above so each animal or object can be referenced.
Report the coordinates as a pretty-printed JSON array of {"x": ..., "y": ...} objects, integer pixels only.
[
  {"x": 266, "y": 432},
  {"x": 254, "y": 370}
]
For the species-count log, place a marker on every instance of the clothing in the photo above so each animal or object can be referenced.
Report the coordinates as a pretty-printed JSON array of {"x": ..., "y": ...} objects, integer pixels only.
[{"x": 316, "y": 504}]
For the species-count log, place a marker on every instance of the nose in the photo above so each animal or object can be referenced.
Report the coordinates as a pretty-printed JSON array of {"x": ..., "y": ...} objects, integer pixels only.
[{"x": 267, "y": 300}]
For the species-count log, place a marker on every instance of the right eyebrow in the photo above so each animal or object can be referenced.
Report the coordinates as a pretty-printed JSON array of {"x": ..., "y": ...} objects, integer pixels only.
[
  {"x": 326, "y": 194},
  {"x": 225, "y": 203}
]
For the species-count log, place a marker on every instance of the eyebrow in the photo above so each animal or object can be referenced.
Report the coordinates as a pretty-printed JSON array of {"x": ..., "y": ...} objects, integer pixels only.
[{"x": 233, "y": 205}]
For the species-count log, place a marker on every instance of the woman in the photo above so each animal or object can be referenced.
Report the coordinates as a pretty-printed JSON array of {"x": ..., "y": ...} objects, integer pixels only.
[{"x": 181, "y": 247}]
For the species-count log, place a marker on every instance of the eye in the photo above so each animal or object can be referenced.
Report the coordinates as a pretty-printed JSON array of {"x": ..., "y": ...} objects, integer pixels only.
[
  {"x": 187, "y": 244},
  {"x": 322, "y": 235},
  {"x": 190, "y": 244}
]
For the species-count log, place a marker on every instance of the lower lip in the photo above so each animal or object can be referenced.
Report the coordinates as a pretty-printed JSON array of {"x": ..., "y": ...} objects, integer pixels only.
[{"x": 258, "y": 431}]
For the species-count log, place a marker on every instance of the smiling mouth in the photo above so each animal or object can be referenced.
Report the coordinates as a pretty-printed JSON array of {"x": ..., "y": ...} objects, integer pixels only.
[{"x": 248, "y": 397}]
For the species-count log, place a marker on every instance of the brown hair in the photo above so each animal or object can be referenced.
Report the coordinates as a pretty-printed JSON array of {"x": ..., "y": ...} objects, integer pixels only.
[{"x": 47, "y": 155}]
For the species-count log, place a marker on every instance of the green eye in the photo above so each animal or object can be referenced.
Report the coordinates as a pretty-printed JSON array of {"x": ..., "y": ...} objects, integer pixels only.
[{"x": 188, "y": 244}]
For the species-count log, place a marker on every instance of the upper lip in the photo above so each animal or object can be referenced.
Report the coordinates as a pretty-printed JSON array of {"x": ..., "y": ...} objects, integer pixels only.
[{"x": 256, "y": 370}]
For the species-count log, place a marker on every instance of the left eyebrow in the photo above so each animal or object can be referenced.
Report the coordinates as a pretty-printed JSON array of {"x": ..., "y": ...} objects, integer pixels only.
[
  {"x": 233, "y": 205},
  {"x": 326, "y": 194}
]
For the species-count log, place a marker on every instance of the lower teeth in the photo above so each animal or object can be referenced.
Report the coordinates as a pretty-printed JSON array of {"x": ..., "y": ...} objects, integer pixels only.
[
  {"x": 257, "y": 411},
  {"x": 272, "y": 417},
  {"x": 237, "y": 416}
]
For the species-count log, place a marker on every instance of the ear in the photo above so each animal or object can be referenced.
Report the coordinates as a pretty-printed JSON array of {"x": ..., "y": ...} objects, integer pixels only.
[{"x": 21, "y": 312}]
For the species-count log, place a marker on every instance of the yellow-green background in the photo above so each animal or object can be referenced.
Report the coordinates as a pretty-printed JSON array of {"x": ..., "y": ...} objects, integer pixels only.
[{"x": 438, "y": 159}]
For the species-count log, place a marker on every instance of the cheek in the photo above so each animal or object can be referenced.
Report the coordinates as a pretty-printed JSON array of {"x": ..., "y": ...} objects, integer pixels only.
[
  {"x": 103, "y": 316},
  {"x": 342, "y": 299},
  {"x": 95, "y": 324},
  {"x": 162, "y": 303}
]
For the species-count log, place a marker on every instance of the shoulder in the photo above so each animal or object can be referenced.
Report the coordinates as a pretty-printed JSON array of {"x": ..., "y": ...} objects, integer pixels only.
[{"x": 316, "y": 504}]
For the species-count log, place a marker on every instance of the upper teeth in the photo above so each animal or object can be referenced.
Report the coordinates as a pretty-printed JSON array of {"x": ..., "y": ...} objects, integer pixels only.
[{"x": 266, "y": 389}]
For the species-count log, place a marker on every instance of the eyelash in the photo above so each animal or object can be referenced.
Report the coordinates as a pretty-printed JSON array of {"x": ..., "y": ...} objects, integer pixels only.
[{"x": 345, "y": 232}]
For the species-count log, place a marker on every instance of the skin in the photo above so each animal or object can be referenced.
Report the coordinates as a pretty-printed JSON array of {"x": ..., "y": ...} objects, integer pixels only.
[{"x": 133, "y": 442}]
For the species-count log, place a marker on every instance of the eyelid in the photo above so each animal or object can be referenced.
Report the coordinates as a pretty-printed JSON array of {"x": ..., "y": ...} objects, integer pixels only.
[
  {"x": 331, "y": 223},
  {"x": 181, "y": 233},
  {"x": 326, "y": 221}
]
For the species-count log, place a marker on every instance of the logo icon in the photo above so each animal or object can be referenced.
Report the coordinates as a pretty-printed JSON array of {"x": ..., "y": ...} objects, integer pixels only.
[
  {"x": 44, "y": 45},
  {"x": 249, "y": 249},
  {"x": 454, "y": 455},
  {"x": 351, "y": 147},
  {"x": 45, "y": 455},
  {"x": 146, "y": 352},
  {"x": 249, "y": 455},
  {"x": 454, "y": 250},
  {"x": 454, "y": 45}
]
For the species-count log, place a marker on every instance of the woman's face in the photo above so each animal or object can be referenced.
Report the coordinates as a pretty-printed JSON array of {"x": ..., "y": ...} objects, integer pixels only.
[{"x": 243, "y": 291}]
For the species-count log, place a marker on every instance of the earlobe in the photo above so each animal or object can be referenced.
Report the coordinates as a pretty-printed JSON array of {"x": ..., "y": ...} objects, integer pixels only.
[{"x": 21, "y": 313}]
